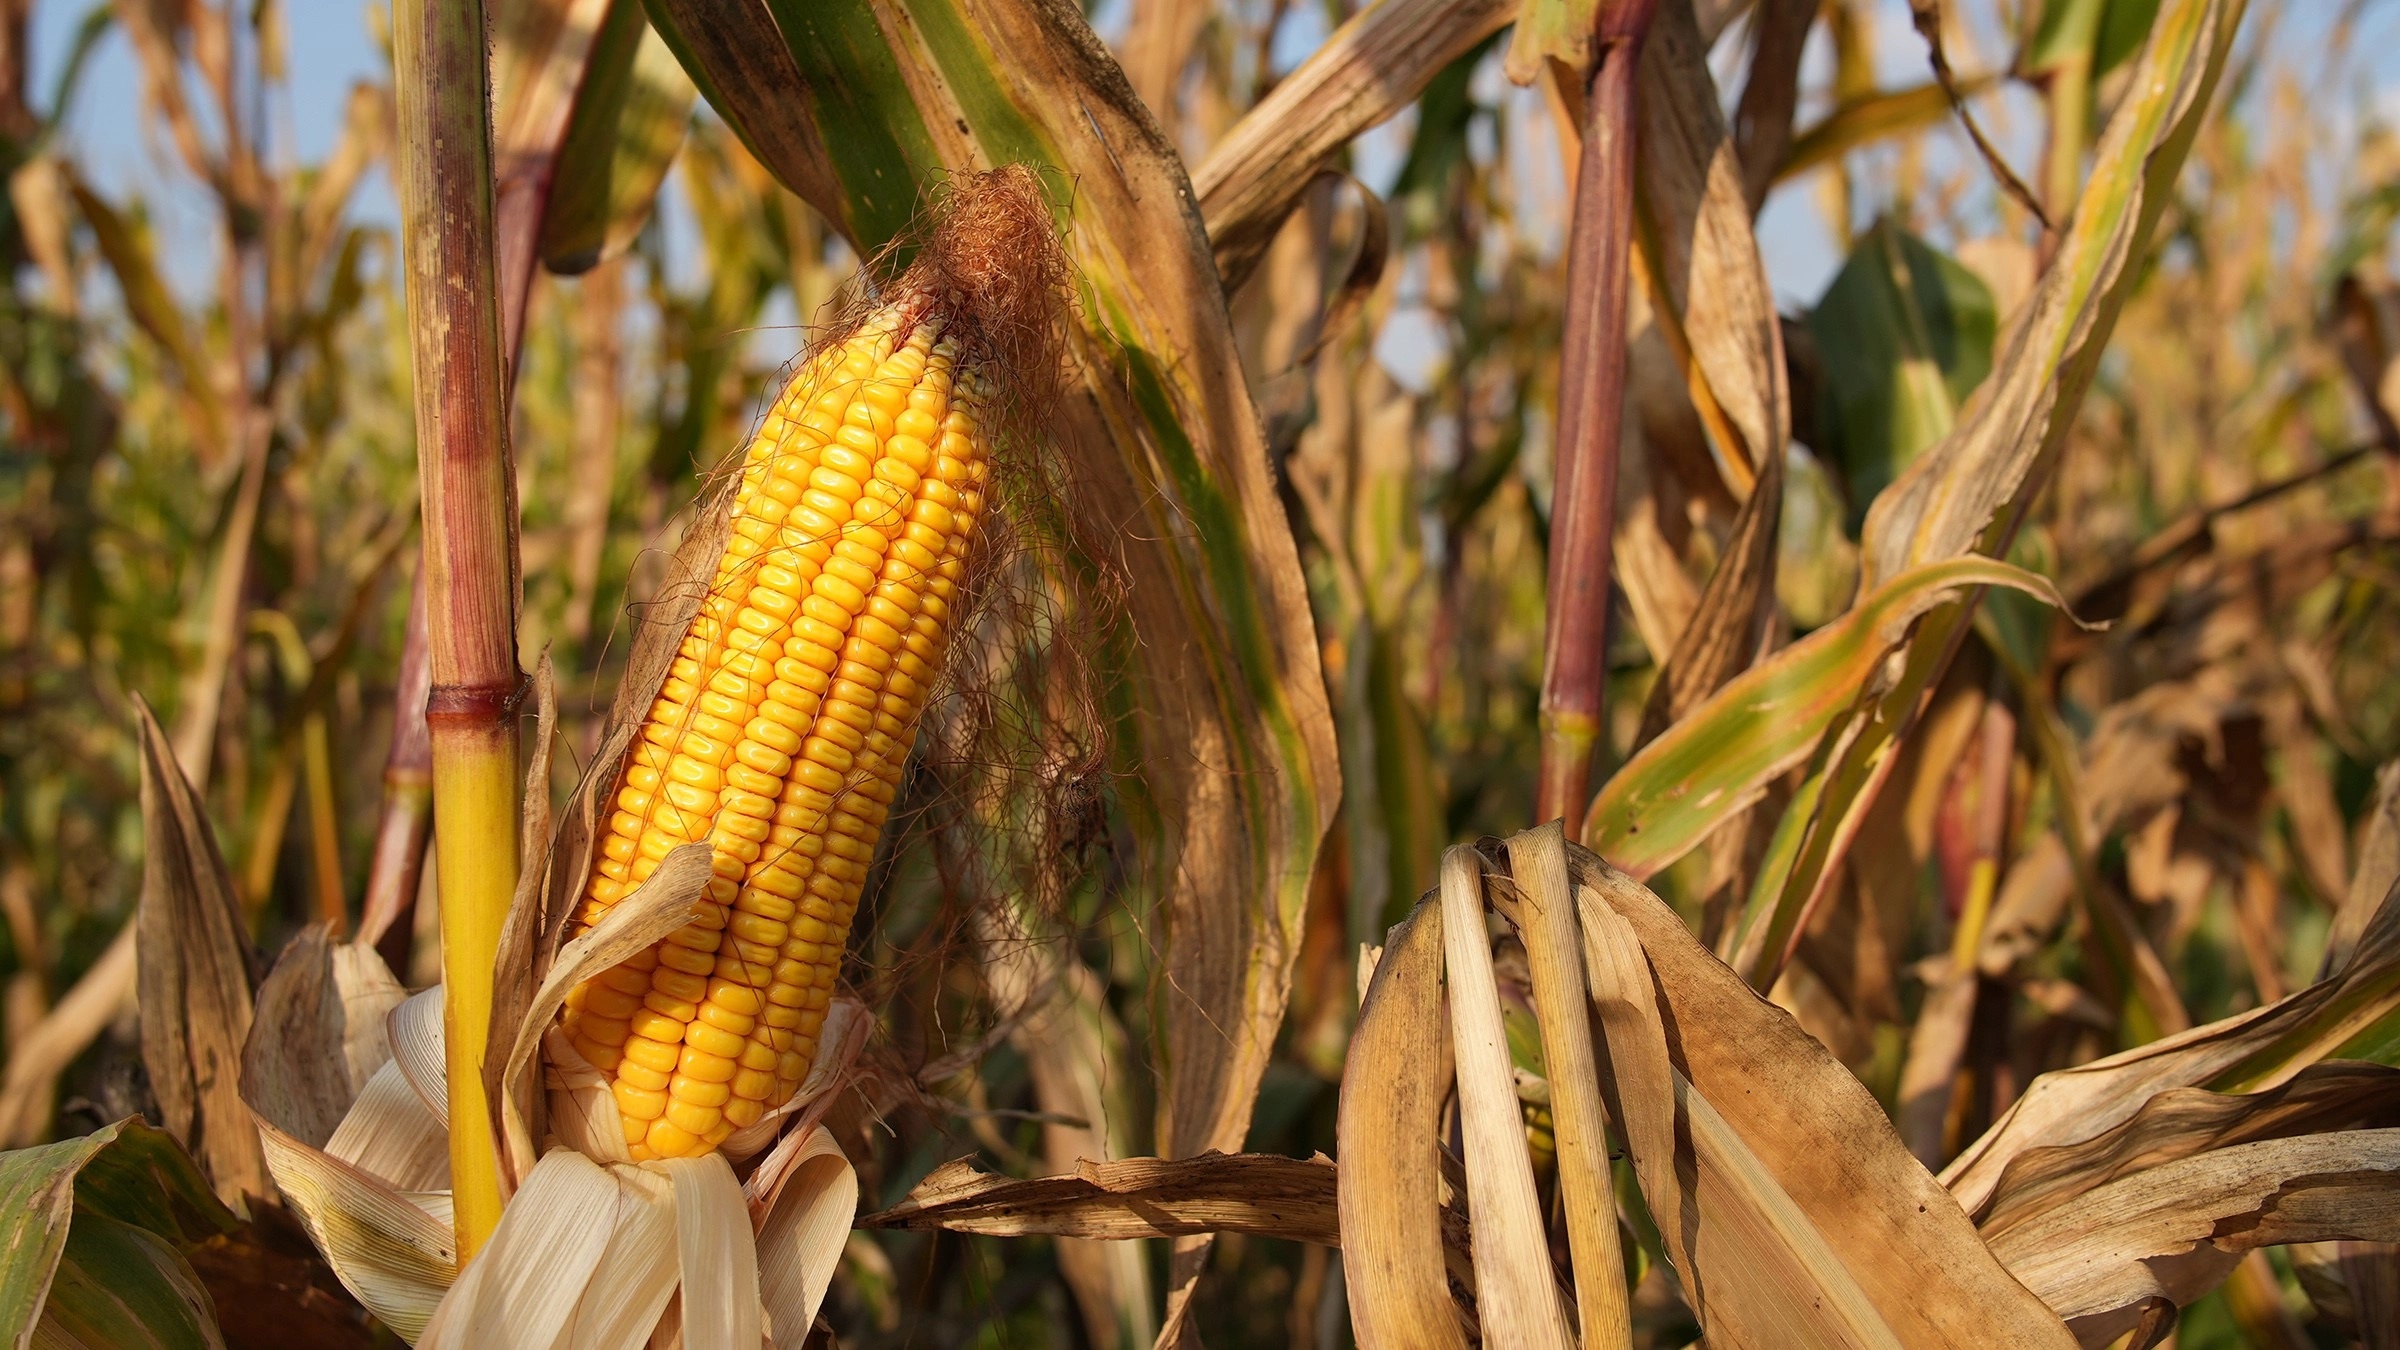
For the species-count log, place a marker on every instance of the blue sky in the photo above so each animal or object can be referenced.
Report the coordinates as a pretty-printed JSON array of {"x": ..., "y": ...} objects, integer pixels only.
[{"x": 332, "y": 46}]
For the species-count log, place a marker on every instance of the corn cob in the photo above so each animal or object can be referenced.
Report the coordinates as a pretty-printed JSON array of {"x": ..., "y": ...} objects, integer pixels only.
[{"x": 781, "y": 731}]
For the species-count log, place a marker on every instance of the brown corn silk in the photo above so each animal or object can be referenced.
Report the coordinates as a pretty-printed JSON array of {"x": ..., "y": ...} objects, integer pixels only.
[{"x": 784, "y": 724}]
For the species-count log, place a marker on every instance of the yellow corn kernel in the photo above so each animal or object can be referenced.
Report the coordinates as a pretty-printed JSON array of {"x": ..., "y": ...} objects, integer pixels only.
[{"x": 780, "y": 735}]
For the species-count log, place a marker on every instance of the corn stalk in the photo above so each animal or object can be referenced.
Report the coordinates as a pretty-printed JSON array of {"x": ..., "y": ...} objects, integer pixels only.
[{"x": 470, "y": 546}]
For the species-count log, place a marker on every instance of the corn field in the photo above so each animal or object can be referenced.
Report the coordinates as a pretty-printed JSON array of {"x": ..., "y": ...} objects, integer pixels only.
[{"x": 1603, "y": 673}]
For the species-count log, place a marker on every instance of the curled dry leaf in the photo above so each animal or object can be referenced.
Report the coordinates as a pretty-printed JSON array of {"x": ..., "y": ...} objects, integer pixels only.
[
  {"x": 396, "y": 1256},
  {"x": 2181, "y": 1122},
  {"x": 319, "y": 1035},
  {"x": 2174, "y": 1231},
  {"x": 1371, "y": 67},
  {"x": 1394, "y": 1084},
  {"x": 415, "y": 1031},
  {"x": 1792, "y": 1166},
  {"x": 2244, "y": 1053},
  {"x": 196, "y": 975},
  {"x": 390, "y": 1133},
  {"x": 1290, "y": 1198}
]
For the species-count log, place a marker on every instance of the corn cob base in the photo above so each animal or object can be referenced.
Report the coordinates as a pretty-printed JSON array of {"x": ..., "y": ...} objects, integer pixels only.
[{"x": 781, "y": 732}]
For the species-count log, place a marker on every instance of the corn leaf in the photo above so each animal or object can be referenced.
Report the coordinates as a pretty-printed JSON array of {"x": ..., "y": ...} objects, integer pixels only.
[
  {"x": 1904, "y": 334},
  {"x": 2183, "y": 1122},
  {"x": 1552, "y": 935},
  {"x": 1394, "y": 1089},
  {"x": 125, "y": 1288},
  {"x": 2102, "y": 32},
  {"x": 1712, "y": 305},
  {"x": 2247, "y": 1053},
  {"x": 1514, "y": 1297},
  {"x": 1969, "y": 492},
  {"x": 1862, "y": 121},
  {"x": 1975, "y": 479},
  {"x": 1695, "y": 230},
  {"x": 736, "y": 58},
  {"x": 1369, "y": 69},
  {"x": 1719, "y": 759},
  {"x": 1229, "y": 726},
  {"x": 803, "y": 1225},
  {"x": 90, "y": 1248},
  {"x": 629, "y": 119},
  {"x": 1796, "y": 1216},
  {"x": 396, "y": 1255},
  {"x": 2176, "y": 1230},
  {"x": 1288, "y": 1198},
  {"x": 1971, "y": 488},
  {"x": 196, "y": 975}
]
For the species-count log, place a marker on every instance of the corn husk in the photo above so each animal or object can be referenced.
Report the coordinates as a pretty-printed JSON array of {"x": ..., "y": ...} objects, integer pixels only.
[
  {"x": 395, "y": 1255},
  {"x": 415, "y": 1029},
  {"x": 593, "y": 1249},
  {"x": 803, "y": 1213}
]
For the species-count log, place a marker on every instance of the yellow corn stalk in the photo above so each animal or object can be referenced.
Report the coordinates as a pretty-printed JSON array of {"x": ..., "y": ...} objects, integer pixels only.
[{"x": 781, "y": 731}]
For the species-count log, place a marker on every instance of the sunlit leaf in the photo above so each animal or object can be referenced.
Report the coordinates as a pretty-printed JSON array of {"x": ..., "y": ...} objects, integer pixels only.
[
  {"x": 1718, "y": 759},
  {"x": 1897, "y": 112},
  {"x": 1967, "y": 492},
  {"x": 630, "y": 114}
]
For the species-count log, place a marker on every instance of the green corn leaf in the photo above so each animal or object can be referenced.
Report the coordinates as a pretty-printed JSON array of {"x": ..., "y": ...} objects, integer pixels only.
[
  {"x": 1904, "y": 334},
  {"x": 630, "y": 114},
  {"x": 1967, "y": 493},
  {"x": 92, "y": 1227},
  {"x": 861, "y": 110},
  {"x": 127, "y": 1289},
  {"x": 2106, "y": 31},
  {"x": 1718, "y": 759}
]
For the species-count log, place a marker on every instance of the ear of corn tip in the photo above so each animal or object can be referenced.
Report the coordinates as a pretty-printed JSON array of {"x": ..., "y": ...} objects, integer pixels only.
[{"x": 780, "y": 733}]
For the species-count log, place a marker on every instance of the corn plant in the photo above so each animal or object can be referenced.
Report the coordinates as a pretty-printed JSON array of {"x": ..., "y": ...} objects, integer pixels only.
[{"x": 1024, "y": 834}]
